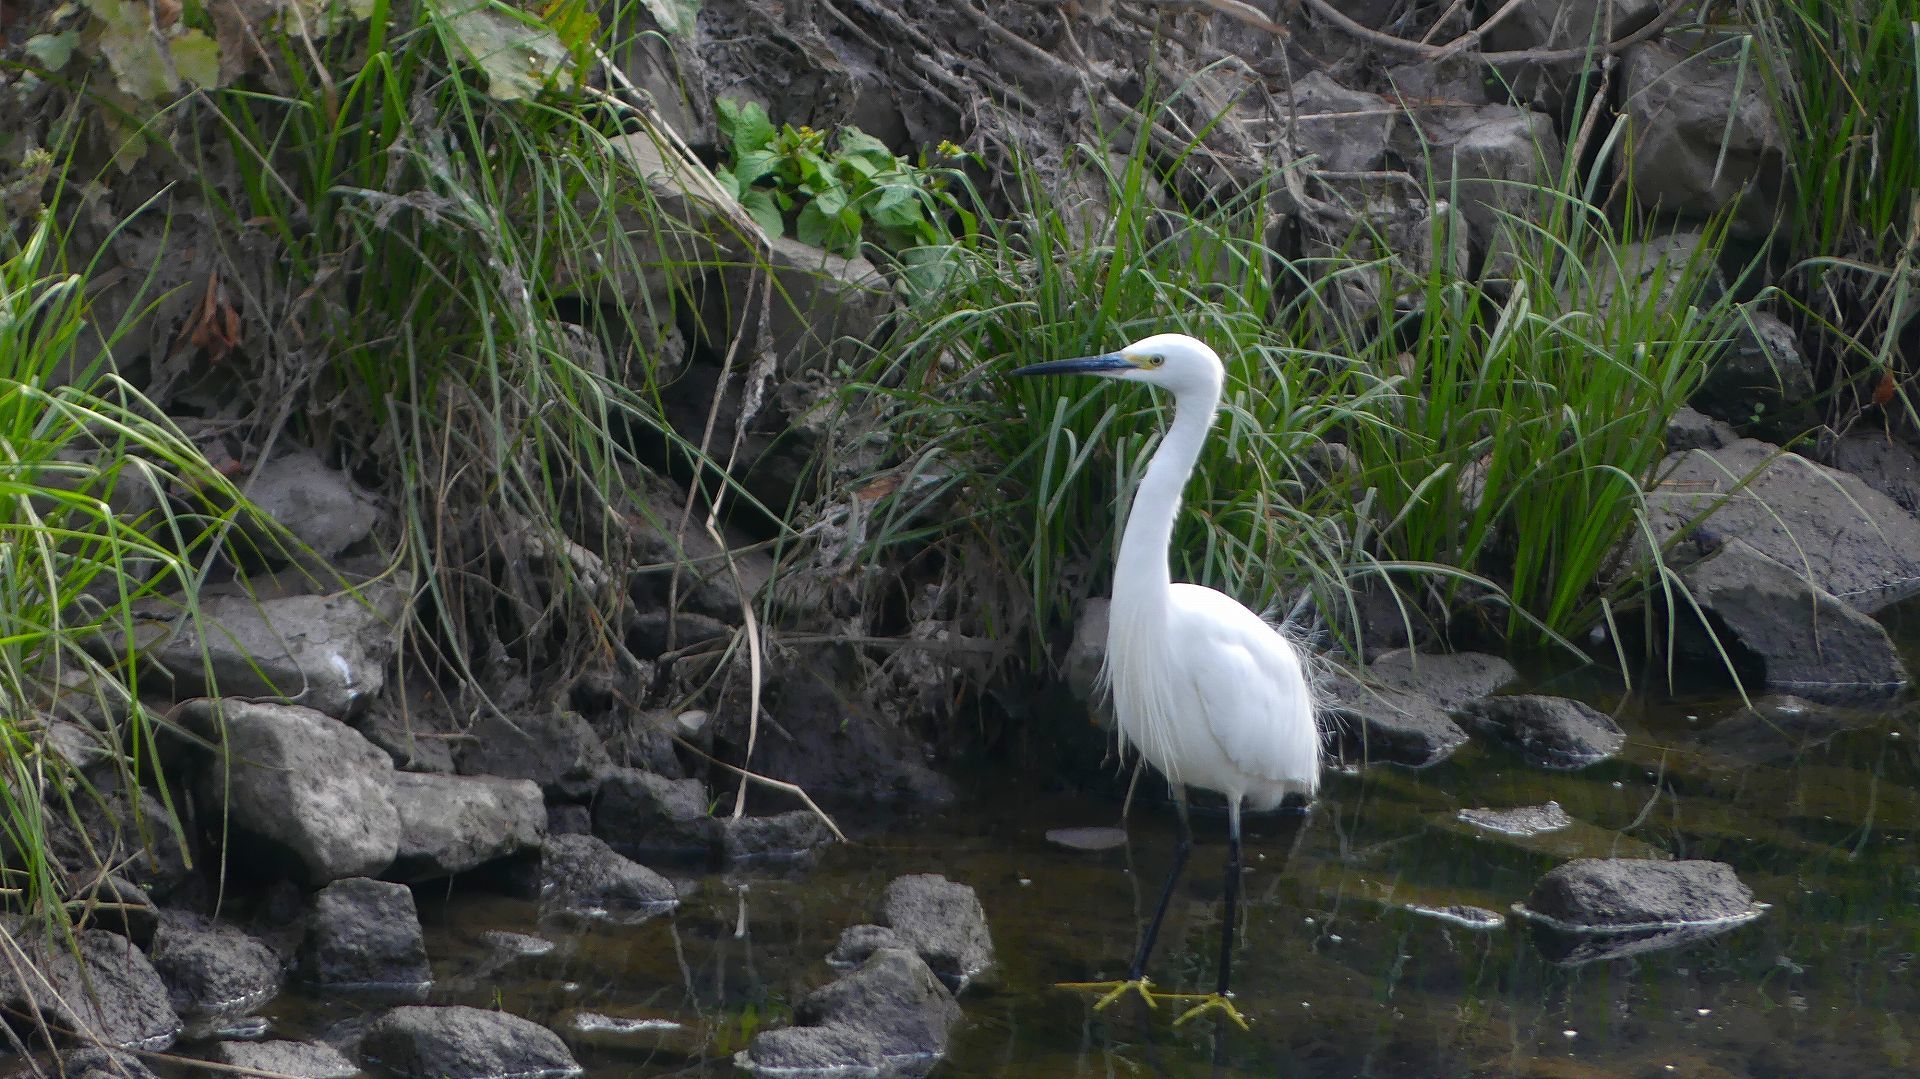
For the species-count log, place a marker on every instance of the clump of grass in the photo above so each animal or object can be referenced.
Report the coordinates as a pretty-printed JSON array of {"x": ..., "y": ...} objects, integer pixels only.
[
  {"x": 107, "y": 512},
  {"x": 495, "y": 280}
]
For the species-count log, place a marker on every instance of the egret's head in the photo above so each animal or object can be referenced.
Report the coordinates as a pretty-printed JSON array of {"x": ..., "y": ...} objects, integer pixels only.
[{"x": 1170, "y": 360}]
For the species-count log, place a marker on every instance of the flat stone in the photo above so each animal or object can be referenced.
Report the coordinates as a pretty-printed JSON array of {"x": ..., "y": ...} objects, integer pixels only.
[
  {"x": 942, "y": 921},
  {"x": 1627, "y": 893},
  {"x": 451, "y": 824},
  {"x": 300, "y": 1060},
  {"x": 1552, "y": 732},
  {"x": 458, "y": 1042},
  {"x": 1401, "y": 714}
]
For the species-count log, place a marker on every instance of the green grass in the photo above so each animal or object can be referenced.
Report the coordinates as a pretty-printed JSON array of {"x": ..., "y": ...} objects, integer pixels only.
[{"x": 474, "y": 259}]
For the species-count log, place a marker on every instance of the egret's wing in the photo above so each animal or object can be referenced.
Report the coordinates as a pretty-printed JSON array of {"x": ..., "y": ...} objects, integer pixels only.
[{"x": 1251, "y": 687}]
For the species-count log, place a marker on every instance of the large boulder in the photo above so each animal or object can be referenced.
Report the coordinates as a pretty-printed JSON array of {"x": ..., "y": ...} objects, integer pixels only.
[
  {"x": 325, "y": 652},
  {"x": 318, "y": 505},
  {"x": 302, "y": 787},
  {"x": 1345, "y": 130},
  {"x": 1594, "y": 909},
  {"x": 942, "y": 921},
  {"x": 1703, "y": 134},
  {"x": 580, "y": 875},
  {"x": 1557, "y": 25},
  {"x": 1847, "y": 538},
  {"x": 1882, "y": 462},
  {"x": 557, "y": 749},
  {"x": 365, "y": 933},
  {"x": 640, "y": 811},
  {"x": 298, "y": 1060},
  {"x": 458, "y": 1042},
  {"x": 1401, "y": 713},
  {"x": 213, "y": 970},
  {"x": 1803, "y": 639},
  {"x": 450, "y": 824},
  {"x": 1553, "y": 732},
  {"x": 100, "y": 990},
  {"x": 1762, "y": 382},
  {"x": 1486, "y": 161}
]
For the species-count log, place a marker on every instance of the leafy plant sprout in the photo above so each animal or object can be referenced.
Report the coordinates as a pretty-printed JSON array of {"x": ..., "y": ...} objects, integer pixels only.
[{"x": 1203, "y": 688}]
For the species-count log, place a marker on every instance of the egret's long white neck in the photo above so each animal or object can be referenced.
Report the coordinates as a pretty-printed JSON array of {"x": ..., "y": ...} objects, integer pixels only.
[{"x": 1142, "y": 574}]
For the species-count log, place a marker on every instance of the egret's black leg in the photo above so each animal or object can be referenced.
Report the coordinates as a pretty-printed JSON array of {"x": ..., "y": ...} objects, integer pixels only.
[
  {"x": 1220, "y": 1000},
  {"x": 1233, "y": 896},
  {"x": 1182, "y": 847}
]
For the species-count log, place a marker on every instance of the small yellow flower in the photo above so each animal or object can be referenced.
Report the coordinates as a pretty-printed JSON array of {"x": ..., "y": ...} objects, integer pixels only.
[{"x": 948, "y": 149}]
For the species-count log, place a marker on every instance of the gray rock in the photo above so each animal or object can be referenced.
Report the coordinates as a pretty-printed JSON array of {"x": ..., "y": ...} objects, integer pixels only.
[
  {"x": 117, "y": 905},
  {"x": 1631, "y": 893},
  {"x": 1552, "y": 732},
  {"x": 1668, "y": 273},
  {"x": 581, "y": 875},
  {"x": 818, "y": 299},
  {"x": 1088, "y": 652},
  {"x": 942, "y": 921},
  {"x": 890, "y": 1012},
  {"x": 1883, "y": 463},
  {"x": 1563, "y": 24},
  {"x": 1345, "y": 129},
  {"x": 450, "y": 824},
  {"x": 641, "y": 811},
  {"x": 301, "y": 1060},
  {"x": 1483, "y": 161},
  {"x": 94, "y": 1063},
  {"x": 306, "y": 788},
  {"x": 329, "y": 653},
  {"x": 1777, "y": 728},
  {"x": 1805, "y": 640},
  {"x": 1402, "y": 713},
  {"x": 365, "y": 933},
  {"x": 569, "y": 819},
  {"x": 413, "y": 747},
  {"x": 1762, "y": 382},
  {"x": 1520, "y": 820},
  {"x": 102, "y": 985},
  {"x": 318, "y": 505},
  {"x": 558, "y": 750},
  {"x": 464, "y": 1043},
  {"x": 1697, "y": 146},
  {"x": 782, "y": 835},
  {"x": 1692, "y": 430},
  {"x": 857, "y": 942},
  {"x": 211, "y": 969},
  {"x": 1850, "y": 539},
  {"x": 1454, "y": 79}
]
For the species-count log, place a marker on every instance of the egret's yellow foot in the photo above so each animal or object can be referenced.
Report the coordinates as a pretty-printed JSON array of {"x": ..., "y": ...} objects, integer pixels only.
[
  {"x": 1213, "y": 1002},
  {"x": 1112, "y": 991}
]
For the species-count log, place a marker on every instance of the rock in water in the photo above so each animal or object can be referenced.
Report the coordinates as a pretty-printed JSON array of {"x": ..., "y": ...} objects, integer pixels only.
[
  {"x": 450, "y": 824},
  {"x": 640, "y": 811},
  {"x": 1553, "y": 732},
  {"x": 1400, "y": 716},
  {"x": 581, "y": 875},
  {"x": 890, "y": 1013},
  {"x": 1606, "y": 908},
  {"x": 307, "y": 787},
  {"x": 302, "y": 1060},
  {"x": 366, "y": 933},
  {"x": 464, "y": 1043},
  {"x": 213, "y": 970},
  {"x": 941, "y": 920},
  {"x": 103, "y": 986}
]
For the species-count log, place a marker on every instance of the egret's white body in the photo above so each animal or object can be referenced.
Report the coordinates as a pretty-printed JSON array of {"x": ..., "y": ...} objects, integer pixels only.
[{"x": 1204, "y": 689}]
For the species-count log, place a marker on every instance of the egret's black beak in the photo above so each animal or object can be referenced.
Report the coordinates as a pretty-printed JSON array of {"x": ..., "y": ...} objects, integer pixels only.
[{"x": 1085, "y": 365}]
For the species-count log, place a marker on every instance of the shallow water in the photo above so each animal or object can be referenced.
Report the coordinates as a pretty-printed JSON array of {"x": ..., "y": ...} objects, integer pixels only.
[{"x": 1340, "y": 978}]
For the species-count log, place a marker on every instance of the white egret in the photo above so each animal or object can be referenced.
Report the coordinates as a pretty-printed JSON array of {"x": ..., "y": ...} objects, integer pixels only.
[{"x": 1204, "y": 689}]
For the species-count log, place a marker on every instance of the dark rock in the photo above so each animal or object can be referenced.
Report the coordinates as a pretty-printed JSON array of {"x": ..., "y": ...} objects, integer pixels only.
[
  {"x": 1556, "y": 25},
  {"x": 857, "y": 942},
  {"x": 1805, "y": 640},
  {"x": 1762, "y": 383},
  {"x": 450, "y": 824},
  {"x": 365, "y": 933},
  {"x": 1490, "y": 161},
  {"x": 1853, "y": 541},
  {"x": 1346, "y": 130},
  {"x": 643, "y": 812},
  {"x": 819, "y": 301},
  {"x": 329, "y": 653},
  {"x": 942, "y": 921},
  {"x": 783, "y": 835},
  {"x": 118, "y": 906},
  {"x": 413, "y": 746},
  {"x": 1780, "y": 727},
  {"x": 1401, "y": 714},
  {"x": 300, "y": 1060},
  {"x": 557, "y": 750},
  {"x": 91, "y": 1062},
  {"x": 650, "y": 633},
  {"x": 1632, "y": 893},
  {"x": 644, "y": 740},
  {"x": 890, "y": 1012},
  {"x": 464, "y": 1043},
  {"x": 308, "y": 789},
  {"x": 101, "y": 985},
  {"x": 211, "y": 969},
  {"x": 1553, "y": 732},
  {"x": 1669, "y": 273},
  {"x": 1692, "y": 430},
  {"x": 1883, "y": 463},
  {"x": 1703, "y": 135},
  {"x": 319, "y": 506},
  {"x": 581, "y": 875},
  {"x": 569, "y": 819}
]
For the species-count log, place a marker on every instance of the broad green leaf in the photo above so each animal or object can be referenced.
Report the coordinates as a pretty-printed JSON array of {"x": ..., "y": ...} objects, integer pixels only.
[
  {"x": 813, "y": 227},
  {"x": 676, "y": 17},
  {"x": 728, "y": 182},
  {"x": 745, "y": 126},
  {"x": 855, "y": 143},
  {"x": 754, "y": 164},
  {"x": 520, "y": 57},
  {"x": 131, "y": 45},
  {"x": 52, "y": 51},
  {"x": 759, "y": 206},
  {"x": 830, "y": 201},
  {"x": 197, "y": 58}
]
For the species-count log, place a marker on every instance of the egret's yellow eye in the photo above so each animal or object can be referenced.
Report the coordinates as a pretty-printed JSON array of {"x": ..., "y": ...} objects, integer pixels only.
[{"x": 1156, "y": 360}]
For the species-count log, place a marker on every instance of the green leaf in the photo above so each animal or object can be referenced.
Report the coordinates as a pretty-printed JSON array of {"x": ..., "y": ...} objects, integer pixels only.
[
  {"x": 855, "y": 143},
  {"x": 759, "y": 206},
  {"x": 131, "y": 45},
  {"x": 52, "y": 51},
  {"x": 520, "y": 57},
  {"x": 751, "y": 166},
  {"x": 197, "y": 58},
  {"x": 676, "y": 17},
  {"x": 728, "y": 182},
  {"x": 745, "y": 126},
  {"x": 813, "y": 227},
  {"x": 830, "y": 200}
]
